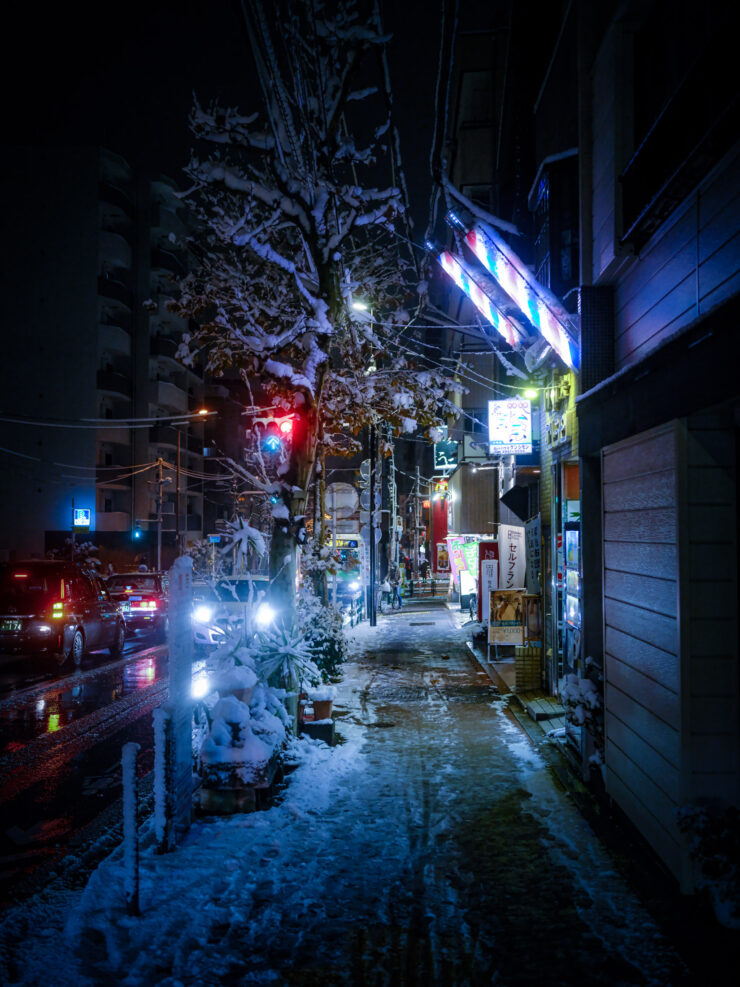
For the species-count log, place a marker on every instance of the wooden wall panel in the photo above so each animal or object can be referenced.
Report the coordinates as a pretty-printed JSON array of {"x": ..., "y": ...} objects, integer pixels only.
[
  {"x": 645, "y": 625},
  {"x": 709, "y": 609},
  {"x": 649, "y": 660},
  {"x": 643, "y": 559},
  {"x": 642, "y": 694},
  {"x": 666, "y": 776},
  {"x": 646, "y": 690},
  {"x": 690, "y": 265}
]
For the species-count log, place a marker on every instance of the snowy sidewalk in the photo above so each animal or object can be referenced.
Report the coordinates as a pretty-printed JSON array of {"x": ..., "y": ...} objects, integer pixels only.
[{"x": 431, "y": 846}]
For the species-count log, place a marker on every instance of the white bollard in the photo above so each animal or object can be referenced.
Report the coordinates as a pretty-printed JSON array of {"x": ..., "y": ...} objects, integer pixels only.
[{"x": 130, "y": 828}]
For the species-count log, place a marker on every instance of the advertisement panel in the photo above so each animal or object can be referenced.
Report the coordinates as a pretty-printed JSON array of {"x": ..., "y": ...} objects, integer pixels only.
[
  {"x": 457, "y": 556},
  {"x": 510, "y": 427},
  {"x": 506, "y": 625}
]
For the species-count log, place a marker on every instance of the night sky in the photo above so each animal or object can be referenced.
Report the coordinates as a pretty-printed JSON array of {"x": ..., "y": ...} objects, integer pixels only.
[{"x": 123, "y": 77}]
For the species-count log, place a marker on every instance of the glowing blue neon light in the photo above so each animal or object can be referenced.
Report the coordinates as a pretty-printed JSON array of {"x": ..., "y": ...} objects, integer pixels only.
[
  {"x": 540, "y": 306},
  {"x": 487, "y": 308}
]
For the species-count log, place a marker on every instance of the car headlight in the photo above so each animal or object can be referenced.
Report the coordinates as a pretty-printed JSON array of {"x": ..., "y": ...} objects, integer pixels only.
[
  {"x": 265, "y": 614},
  {"x": 199, "y": 687},
  {"x": 203, "y": 614}
]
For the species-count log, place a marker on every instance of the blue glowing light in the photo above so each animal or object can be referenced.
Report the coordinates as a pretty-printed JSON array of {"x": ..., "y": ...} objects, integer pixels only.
[
  {"x": 540, "y": 306},
  {"x": 462, "y": 277}
]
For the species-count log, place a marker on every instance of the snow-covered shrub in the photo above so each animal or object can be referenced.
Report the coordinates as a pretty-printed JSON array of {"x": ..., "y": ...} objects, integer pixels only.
[
  {"x": 714, "y": 843},
  {"x": 582, "y": 698},
  {"x": 323, "y": 625},
  {"x": 283, "y": 657},
  {"x": 241, "y": 742}
]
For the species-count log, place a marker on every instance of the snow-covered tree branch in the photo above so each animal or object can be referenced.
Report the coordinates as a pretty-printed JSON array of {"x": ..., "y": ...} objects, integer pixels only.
[{"x": 296, "y": 219}]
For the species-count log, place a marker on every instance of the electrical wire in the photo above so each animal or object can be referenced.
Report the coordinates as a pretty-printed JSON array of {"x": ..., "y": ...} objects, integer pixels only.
[{"x": 104, "y": 423}]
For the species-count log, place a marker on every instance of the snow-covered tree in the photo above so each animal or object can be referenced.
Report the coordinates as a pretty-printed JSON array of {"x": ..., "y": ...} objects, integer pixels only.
[{"x": 296, "y": 226}]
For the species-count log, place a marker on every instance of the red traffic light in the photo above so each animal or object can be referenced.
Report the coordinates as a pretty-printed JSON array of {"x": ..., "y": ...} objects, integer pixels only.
[{"x": 286, "y": 426}]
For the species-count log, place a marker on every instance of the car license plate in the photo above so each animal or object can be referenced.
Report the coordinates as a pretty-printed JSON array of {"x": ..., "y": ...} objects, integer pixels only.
[{"x": 10, "y": 625}]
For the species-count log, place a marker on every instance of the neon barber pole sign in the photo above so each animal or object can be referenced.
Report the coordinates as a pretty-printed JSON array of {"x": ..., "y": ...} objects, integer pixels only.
[
  {"x": 541, "y": 307},
  {"x": 464, "y": 279}
]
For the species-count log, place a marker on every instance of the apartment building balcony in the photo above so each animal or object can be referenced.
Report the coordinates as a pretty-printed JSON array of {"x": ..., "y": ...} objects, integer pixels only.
[
  {"x": 112, "y": 521},
  {"x": 166, "y": 260},
  {"x": 110, "y": 380},
  {"x": 119, "y": 436},
  {"x": 163, "y": 346},
  {"x": 112, "y": 287},
  {"x": 113, "y": 194},
  {"x": 113, "y": 476},
  {"x": 168, "y": 395},
  {"x": 114, "y": 339},
  {"x": 114, "y": 251}
]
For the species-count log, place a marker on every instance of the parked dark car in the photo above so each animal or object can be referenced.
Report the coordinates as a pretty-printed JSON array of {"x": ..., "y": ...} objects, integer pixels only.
[
  {"x": 57, "y": 608},
  {"x": 142, "y": 598}
]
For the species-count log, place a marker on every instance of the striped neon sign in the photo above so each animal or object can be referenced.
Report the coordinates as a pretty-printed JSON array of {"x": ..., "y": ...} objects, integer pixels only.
[
  {"x": 540, "y": 306},
  {"x": 485, "y": 305}
]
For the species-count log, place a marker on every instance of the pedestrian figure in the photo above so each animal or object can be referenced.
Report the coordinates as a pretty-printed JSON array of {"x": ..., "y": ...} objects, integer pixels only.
[
  {"x": 396, "y": 586},
  {"x": 434, "y": 585}
]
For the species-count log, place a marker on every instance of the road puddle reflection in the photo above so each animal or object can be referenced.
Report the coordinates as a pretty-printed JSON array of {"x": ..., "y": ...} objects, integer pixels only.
[{"x": 74, "y": 697}]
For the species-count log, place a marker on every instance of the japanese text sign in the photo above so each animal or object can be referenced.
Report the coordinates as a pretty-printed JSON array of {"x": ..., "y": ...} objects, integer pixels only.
[{"x": 510, "y": 427}]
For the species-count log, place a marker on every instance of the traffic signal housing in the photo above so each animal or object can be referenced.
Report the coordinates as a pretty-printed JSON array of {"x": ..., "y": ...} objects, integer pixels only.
[{"x": 278, "y": 434}]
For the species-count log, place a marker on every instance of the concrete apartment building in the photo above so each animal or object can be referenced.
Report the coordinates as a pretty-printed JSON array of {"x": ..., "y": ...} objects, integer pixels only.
[{"x": 90, "y": 251}]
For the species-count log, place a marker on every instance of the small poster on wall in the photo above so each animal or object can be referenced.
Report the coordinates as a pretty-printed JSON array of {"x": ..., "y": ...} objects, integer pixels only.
[
  {"x": 506, "y": 617},
  {"x": 533, "y": 620}
]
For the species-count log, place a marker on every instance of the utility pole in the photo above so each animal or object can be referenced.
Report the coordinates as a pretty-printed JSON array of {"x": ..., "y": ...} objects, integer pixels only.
[
  {"x": 177, "y": 501},
  {"x": 334, "y": 539},
  {"x": 417, "y": 521},
  {"x": 160, "y": 483},
  {"x": 372, "y": 610}
]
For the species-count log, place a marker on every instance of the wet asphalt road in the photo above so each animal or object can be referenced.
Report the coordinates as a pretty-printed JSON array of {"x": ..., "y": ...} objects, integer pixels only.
[{"x": 61, "y": 733}]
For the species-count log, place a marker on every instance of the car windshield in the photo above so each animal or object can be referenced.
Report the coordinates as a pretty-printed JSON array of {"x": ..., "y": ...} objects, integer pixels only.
[
  {"x": 240, "y": 590},
  {"x": 133, "y": 584},
  {"x": 22, "y": 587}
]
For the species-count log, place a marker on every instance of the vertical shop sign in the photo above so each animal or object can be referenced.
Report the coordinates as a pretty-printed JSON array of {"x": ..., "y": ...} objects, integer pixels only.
[
  {"x": 512, "y": 556},
  {"x": 533, "y": 529},
  {"x": 487, "y": 577},
  {"x": 470, "y": 551},
  {"x": 457, "y": 556}
]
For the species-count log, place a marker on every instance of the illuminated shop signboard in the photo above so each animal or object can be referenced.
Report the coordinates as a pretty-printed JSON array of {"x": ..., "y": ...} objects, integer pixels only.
[
  {"x": 81, "y": 517},
  {"x": 510, "y": 427},
  {"x": 464, "y": 279},
  {"x": 541, "y": 307},
  {"x": 445, "y": 453}
]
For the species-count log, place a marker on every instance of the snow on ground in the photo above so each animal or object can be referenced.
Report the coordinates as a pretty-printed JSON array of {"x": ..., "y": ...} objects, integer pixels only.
[{"x": 433, "y": 835}]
